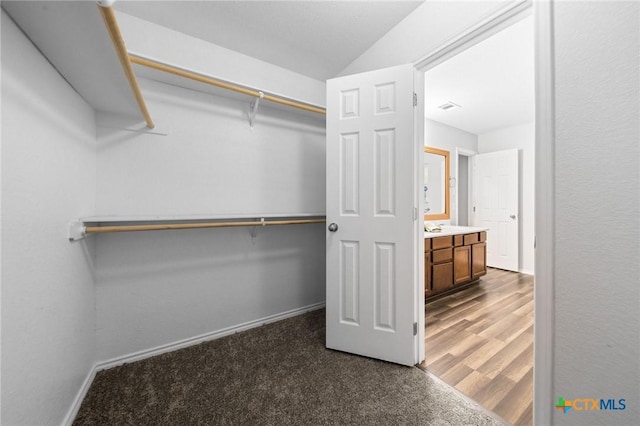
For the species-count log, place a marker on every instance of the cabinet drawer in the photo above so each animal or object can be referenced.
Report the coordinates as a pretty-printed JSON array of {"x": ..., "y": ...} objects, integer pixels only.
[
  {"x": 457, "y": 240},
  {"x": 470, "y": 239},
  {"x": 483, "y": 236},
  {"x": 442, "y": 255},
  {"x": 441, "y": 242},
  {"x": 427, "y": 244}
]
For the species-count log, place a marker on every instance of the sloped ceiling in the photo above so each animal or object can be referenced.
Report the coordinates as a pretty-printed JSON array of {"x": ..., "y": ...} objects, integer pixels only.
[{"x": 313, "y": 38}]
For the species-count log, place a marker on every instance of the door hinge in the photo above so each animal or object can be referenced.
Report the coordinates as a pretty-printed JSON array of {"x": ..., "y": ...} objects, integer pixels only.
[
  {"x": 415, "y": 328},
  {"x": 415, "y": 99}
]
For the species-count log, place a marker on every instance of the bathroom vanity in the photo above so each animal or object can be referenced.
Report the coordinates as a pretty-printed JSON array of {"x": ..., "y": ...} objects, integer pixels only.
[{"x": 454, "y": 258}]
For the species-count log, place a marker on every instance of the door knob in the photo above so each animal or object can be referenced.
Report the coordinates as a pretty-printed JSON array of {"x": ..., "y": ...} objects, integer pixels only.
[
  {"x": 513, "y": 216},
  {"x": 333, "y": 227}
]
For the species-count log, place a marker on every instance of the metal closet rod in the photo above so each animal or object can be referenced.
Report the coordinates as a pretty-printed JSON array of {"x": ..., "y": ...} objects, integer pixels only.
[
  {"x": 171, "y": 69},
  {"x": 110, "y": 22},
  {"x": 169, "y": 226}
]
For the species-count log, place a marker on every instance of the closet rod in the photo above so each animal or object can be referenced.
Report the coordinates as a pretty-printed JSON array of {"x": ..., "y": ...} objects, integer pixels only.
[
  {"x": 110, "y": 22},
  {"x": 220, "y": 83},
  {"x": 168, "y": 226}
]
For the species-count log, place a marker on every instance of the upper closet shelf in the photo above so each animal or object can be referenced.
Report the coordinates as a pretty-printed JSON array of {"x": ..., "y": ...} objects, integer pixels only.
[
  {"x": 91, "y": 55},
  {"x": 103, "y": 224},
  {"x": 72, "y": 36}
]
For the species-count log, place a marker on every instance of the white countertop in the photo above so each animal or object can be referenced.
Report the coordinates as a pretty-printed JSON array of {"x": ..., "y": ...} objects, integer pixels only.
[{"x": 454, "y": 230}]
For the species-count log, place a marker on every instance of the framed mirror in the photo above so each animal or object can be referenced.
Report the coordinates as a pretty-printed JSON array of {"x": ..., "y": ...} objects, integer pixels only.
[{"x": 436, "y": 184}]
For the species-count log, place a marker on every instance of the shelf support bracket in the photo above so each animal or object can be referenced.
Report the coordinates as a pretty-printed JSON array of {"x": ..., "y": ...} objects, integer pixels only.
[
  {"x": 77, "y": 231},
  {"x": 254, "y": 109}
]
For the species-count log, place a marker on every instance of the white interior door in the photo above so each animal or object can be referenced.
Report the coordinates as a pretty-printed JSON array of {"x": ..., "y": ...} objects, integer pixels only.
[
  {"x": 496, "y": 205},
  {"x": 372, "y": 202}
]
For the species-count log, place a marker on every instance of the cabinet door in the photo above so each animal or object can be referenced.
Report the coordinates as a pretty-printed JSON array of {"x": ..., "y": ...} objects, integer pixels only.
[
  {"x": 427, "y": 274},
  {"x": 461, "y": 264},
  {"x": 478, "y": 260},
  {"x": 442, "y": 276}
]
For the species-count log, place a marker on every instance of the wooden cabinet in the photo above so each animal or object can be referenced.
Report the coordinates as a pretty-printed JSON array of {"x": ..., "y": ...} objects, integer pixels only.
[
  {"x": 462, "y": 264},
  {"x": 441, "y": 264},
  {"x": 427, "y": 273},
  {"x": 478, "y": 260},
  {"x": 453, "y": 261}
]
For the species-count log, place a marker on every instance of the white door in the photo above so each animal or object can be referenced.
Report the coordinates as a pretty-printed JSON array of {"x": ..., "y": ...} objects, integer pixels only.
[
  {"x": 496, "y": 205},
  {"x": 372, "y": 203}
]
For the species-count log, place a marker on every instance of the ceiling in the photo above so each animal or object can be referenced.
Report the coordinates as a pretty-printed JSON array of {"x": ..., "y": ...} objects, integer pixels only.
[
  {"x": 493, "y": 82},
  {"x": 314, "y": 38}
]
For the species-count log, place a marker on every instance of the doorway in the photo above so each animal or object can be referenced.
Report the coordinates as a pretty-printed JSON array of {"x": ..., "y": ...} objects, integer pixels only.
[
  {"x": 480, "y": 339},
  {"x": 463, "y": 186}
]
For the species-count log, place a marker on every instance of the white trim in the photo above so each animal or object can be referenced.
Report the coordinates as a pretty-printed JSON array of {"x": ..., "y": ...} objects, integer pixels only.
[
  {"x": 418, "y": 134},
  {"x": 544, "y": 309},
  {"x": 180, "y": 344},
  {"x": 504, "y": 17},
  {"x": 77, "y": 401}
]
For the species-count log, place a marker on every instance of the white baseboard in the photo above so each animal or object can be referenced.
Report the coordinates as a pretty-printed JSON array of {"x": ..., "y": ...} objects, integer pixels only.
[
  {"x": 77, "y": 401},
  {"x": 180, "y": 344}
]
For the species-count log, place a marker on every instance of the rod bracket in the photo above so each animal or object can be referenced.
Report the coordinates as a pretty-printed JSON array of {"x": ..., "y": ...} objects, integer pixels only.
[
  {"x": 76, "y": 231},
  {"x": 254, "y": 230},
  {"x": 254, "y": 109},
  {"x": 105, "y": 3}
]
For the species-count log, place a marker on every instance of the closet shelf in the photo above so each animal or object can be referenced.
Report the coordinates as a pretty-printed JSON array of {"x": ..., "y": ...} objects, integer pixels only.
[
  {"x": 99, "y": 66},
  {"x": 72, "y": 36},
  {"x": 102, "y": 224}
]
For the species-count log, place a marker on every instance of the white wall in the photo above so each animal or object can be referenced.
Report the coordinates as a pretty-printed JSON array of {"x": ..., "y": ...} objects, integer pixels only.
[
  {"x": 520, "y": 137},
  {"x": 597, "y": 201},
  {"x": 48, "y": 179},
  {"x": 439, "y": 135},
  {"x": 161, "y": 287},
  {"x": 174, "y": 47}
]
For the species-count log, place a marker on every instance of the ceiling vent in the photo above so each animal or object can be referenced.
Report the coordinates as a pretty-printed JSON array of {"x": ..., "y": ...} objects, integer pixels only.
[{"x": 449, "y": 106}]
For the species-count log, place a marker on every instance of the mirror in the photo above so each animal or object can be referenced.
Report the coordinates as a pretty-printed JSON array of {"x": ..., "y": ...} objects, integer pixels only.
[{"x": 436, "y": 184}]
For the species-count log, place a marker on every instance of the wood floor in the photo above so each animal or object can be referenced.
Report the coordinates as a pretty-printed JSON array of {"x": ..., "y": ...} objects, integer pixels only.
[{"x": 480, "y": 340}]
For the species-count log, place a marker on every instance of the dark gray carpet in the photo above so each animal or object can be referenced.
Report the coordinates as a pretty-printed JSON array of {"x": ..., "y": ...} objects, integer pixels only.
[{"x": 278, "y": 374}]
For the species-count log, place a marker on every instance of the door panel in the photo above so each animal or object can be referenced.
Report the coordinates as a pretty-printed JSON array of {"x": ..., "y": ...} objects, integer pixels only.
[{"x": 372, "y": 252}]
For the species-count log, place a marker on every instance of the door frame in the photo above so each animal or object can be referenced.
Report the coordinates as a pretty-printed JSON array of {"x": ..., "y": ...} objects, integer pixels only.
[
  {"x": 544, "y": 306},
  {"x": 470, "y": 201}
]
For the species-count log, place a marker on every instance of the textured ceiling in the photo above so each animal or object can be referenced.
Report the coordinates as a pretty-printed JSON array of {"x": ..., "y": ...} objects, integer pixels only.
[{"x": 314, "y": 38}]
